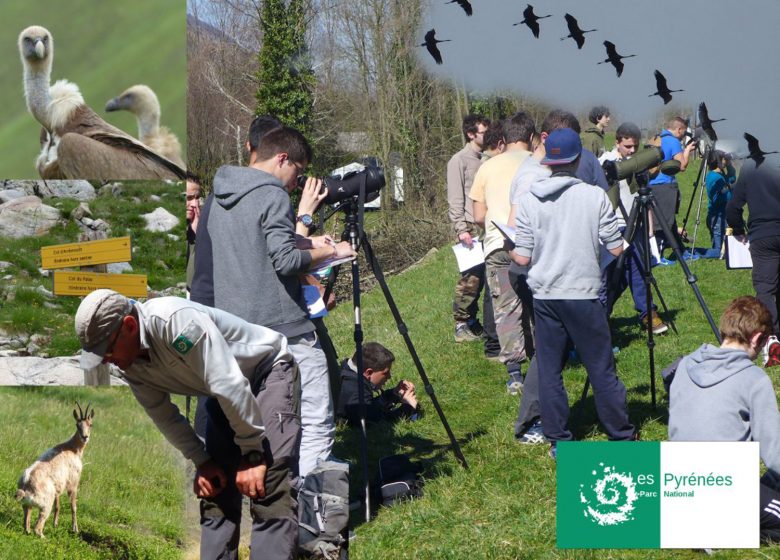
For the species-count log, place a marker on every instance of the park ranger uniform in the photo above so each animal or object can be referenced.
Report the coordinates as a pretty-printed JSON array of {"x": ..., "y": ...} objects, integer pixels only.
[{"x": 200, "y": 351}]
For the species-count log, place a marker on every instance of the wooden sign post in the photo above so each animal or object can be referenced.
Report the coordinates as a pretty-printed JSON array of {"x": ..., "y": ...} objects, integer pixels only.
[{"x": 77, "y": 283}]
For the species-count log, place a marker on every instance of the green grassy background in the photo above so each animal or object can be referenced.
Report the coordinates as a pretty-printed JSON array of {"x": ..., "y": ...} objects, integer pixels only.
[
  {"x": 504, "y": 505},
  {"x": 161, "y": 258},
  {"x": 103, "y": 47},
  {"x": 131, "y": 496}
]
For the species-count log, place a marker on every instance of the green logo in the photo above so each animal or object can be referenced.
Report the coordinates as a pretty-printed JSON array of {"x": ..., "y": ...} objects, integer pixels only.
[
  {"x": 182, "y": 344},
  {"x": 609, "y": 494}
]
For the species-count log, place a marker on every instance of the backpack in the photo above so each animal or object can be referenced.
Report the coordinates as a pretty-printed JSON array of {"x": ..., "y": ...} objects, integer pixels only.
[
  {"x": 398, "y": 480},
  {"x": 323, "y": 511}
]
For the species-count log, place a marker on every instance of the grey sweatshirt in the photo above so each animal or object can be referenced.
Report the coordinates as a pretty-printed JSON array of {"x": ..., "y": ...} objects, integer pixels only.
[
  {"x": 256, "y": 261},
  {"x": 560, "y": 222},
  {"x": 719, "y": 394}
]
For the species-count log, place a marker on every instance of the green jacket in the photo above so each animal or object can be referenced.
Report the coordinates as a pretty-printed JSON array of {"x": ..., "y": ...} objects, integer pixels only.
[{"x": 593, "y": 140}]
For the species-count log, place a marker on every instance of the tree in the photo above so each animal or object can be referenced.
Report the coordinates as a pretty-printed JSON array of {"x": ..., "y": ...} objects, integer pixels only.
[{"x": 285, "y": 75}]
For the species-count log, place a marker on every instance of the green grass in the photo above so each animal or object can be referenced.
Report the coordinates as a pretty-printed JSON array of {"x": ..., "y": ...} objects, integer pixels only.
[
  {"x": 161, "y": 258},
  {"x": 132, "y": 491},
  {"x": 103, "y": 47},
  {"x": 504, "y": 505}
]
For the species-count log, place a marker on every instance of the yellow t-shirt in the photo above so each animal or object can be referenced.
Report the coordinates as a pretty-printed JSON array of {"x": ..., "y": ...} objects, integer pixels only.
[{"x": 491, "y": 186}]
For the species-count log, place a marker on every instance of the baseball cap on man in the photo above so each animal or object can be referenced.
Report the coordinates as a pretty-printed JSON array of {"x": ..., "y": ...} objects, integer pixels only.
[
  {"x": 97, "y": 318},
  {"x": 563, "y": 145}
]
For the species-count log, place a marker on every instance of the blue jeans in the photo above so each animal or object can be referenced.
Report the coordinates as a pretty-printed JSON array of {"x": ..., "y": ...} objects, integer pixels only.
[{"x": 716, "y": 223}]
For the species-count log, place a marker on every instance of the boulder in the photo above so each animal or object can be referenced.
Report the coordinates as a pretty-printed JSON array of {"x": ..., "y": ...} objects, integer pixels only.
[
  {"x": 27, "y": 216},
  {"x": 45, "y": 371},
  {"x": 11, "y": 194},
  {"x": 160, "y": 220}
]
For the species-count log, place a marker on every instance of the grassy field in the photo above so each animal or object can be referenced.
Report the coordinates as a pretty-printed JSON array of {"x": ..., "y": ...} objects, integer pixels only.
[
  {"x": 131, "y": 496},
  {"x": 103, "y": 47},
  {"x": 158, "y": 256},
  {"x": 504, "y": 505}
]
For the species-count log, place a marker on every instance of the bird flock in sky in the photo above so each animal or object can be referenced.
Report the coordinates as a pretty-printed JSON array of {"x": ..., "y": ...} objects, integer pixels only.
[{"x": 577, "y": 34}]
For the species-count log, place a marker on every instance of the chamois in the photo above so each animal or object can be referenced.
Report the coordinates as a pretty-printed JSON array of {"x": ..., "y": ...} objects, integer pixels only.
[{"x": 57, "y": 470}]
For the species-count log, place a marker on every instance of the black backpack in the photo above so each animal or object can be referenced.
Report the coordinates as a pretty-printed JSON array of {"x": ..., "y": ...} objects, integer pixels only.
[{"x": 398, "y": 480}]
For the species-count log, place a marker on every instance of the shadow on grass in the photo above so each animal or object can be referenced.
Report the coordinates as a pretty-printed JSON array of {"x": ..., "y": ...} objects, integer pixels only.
[
  {"x": 430, "y": 457},
  {"x": 626, "y": 330},
  {"x": 584, "y": 420}
]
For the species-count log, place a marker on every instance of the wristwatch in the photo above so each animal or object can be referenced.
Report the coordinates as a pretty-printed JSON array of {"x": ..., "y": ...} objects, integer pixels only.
[
  {"x": 254, "y": 458},
  {"x": 305, "y": 219}
]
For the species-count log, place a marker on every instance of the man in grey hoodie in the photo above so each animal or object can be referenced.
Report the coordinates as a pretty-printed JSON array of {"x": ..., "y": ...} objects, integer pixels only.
[
  {"x": 719, "y": 394},
  {"x": 561, "y": 222},
  {"x": 257, "y": 264}
]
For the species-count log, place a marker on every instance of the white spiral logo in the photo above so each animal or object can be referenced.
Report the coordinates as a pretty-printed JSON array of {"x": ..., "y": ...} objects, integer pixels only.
[{"x": 611, "y": 497}]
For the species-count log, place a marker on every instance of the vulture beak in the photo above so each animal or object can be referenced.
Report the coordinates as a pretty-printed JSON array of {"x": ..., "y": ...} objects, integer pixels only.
[
  {"x": 113, "y": 105},
  {"x": 40, "y": 49}
]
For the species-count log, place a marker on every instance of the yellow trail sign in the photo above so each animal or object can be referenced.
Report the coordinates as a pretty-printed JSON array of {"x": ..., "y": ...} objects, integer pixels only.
[
  {"x": 88, "y": 253},
  {"x": 70, "y": 283}
]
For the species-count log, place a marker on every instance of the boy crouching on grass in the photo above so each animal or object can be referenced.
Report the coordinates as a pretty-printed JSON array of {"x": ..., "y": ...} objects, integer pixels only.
[
  {"x": 719, "y": 394},
  {"x": 560, "y": 223}
]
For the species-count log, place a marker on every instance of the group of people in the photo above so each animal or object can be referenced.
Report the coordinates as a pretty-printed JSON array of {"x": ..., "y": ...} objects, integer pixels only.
[
  {"x": 245, "y": 346},
  {"x": 244, "y": 343},
  {"x": 551, "y": 287}
]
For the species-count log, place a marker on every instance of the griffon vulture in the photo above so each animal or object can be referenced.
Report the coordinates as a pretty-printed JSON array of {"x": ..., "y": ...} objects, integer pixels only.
[
  {"x": 76, "y": 142},
  {"x": 142, "y": 102}
]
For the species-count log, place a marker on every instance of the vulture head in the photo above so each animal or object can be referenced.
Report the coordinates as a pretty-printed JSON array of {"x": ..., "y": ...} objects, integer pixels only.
[{"x": 36, "y": 46}]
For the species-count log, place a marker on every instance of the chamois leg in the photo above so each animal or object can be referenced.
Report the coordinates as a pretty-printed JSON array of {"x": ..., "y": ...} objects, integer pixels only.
[
  {"x": 42, "y": 517},
  {"x": 56, "y": 510},
  {"x": 74, "y": 524},
  {"x": 27, "y": 512}
]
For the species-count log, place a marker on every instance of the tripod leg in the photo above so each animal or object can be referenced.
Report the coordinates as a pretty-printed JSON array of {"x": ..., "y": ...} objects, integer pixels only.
[
  {"x": 404, "y": 332},
  {"x": 698, "y": 221},
  {"x": 696, "y": 184},
  {"x": 648, "y": 295},
  {"x": 690, "y": 277}
]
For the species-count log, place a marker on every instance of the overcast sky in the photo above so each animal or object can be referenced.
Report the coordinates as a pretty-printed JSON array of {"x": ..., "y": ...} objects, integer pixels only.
[{"x": 723, "y": 52}]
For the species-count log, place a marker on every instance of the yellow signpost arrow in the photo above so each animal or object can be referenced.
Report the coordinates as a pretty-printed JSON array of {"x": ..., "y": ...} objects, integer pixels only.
[
  {"x": 88, "y": 253},
  {"x": 70, "y": 283}
]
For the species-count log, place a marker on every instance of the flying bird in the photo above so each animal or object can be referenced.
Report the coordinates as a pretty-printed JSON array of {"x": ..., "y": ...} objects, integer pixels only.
[
  {"x": 430, "y": 44},
  {"x": 465, "y": 4},
  {"x": 614, "y": 58},
  {"x": 76, "y": 143},
  {"x": 706, "y": 122},
  {"x": 756, "y": 153},
  {"x": 143, "y": 103},
  {"x": 575, "y": 32},
  {"x": 531, "y": 20},
  {"x": 662, "y": 90}
]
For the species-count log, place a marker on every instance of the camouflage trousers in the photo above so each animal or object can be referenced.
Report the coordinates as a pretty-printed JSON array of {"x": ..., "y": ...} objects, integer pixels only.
[
  {"x": 466, "y": 303},
  {"x": 507, "y": 308}
]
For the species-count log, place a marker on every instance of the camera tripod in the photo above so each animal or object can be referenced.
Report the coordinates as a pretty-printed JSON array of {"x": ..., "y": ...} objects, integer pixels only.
[
  {"x": 354, "y": 233},
  {"x": 639, "y": 221},
  {"x": 709, "y": 148}
]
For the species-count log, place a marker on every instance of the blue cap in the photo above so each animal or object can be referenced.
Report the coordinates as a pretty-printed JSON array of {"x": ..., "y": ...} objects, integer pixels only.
[{"x": 563, "y": 145}]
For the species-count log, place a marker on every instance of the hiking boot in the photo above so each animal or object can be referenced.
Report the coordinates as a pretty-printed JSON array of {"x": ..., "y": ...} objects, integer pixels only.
[
  {"x": 533, "y": 435},
  {"x": 515, "y": 383},
  {"x": 476, "y": 327},
  {"x": 553, "y": 452},
  {"x": 659, "y": 326},
  {"x": 771, "y": 352},
  {"x": 463, "y": 333}
]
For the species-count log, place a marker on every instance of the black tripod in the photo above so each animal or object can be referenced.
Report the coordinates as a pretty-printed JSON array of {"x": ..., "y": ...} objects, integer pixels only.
[
  {"x": 639, "y": 220},
  {"x": 704, "y": 159},
  {"x": 353, "y": 232}
]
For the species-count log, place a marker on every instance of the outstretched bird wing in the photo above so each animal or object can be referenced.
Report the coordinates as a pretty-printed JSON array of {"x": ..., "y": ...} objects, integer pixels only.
[
  {"x": 611, "y": 50},
  {"x": 465, "y": 4},
  {"x": 660, "y": 81}
]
